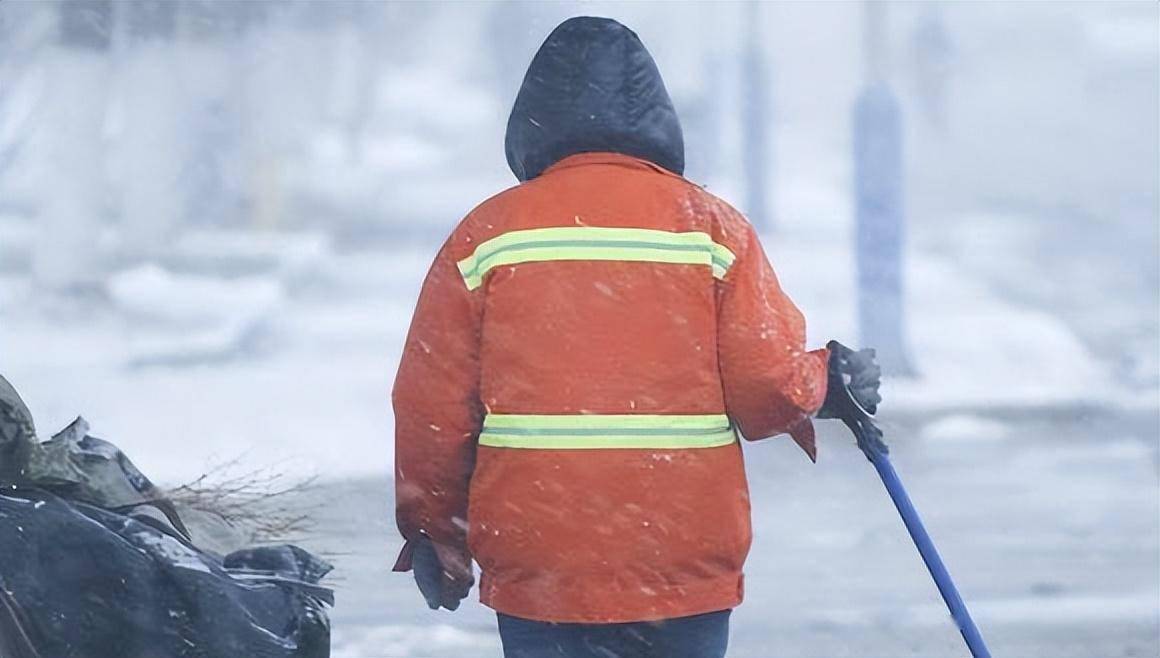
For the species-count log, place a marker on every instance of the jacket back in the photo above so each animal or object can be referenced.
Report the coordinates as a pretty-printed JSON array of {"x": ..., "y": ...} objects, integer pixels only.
[{"x": 586, "y": 349}]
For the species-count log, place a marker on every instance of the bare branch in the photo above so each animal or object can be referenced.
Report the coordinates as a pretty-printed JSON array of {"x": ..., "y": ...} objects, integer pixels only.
[{"x": 265, "y": 504}]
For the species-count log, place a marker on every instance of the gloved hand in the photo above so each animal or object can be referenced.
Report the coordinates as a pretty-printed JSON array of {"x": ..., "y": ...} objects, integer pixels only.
[
  {"x": 856, "y": 372},
  {"x": 443, "y": 573}
]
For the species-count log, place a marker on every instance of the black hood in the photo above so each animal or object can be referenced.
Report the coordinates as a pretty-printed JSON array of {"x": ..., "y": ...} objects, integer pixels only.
[{"x": 592, "y": 86}]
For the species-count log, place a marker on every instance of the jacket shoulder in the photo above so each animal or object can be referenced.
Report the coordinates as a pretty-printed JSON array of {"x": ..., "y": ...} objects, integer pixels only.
[
  {"x": 483, "y": 222},
  {"x": 729, "y": 226}
]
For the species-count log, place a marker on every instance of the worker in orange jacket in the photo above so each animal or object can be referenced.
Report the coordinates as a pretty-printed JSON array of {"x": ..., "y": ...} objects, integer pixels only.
[{"x": 585, "y": 352}]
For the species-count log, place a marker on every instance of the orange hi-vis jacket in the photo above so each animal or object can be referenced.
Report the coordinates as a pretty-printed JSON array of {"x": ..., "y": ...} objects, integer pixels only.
[{"x": 585, "y": 351}]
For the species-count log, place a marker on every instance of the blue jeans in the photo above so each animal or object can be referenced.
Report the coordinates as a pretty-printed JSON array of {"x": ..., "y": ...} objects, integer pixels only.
[{"x": 699, "y": 636}]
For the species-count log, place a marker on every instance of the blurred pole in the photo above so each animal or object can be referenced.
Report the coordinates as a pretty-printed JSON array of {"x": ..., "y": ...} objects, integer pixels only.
[
  {"x": 879, "y": 203},
  {"x": 151, "y": 146},
  {"x": 756, "y": 116},
  {"x": 72, "y": 189}
]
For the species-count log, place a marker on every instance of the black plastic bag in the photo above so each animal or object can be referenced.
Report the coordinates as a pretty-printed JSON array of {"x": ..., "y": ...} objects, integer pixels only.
[{"x": 78, "y": 581}]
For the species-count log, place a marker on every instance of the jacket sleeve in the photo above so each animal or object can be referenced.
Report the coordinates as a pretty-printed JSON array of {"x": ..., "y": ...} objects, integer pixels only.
[
  {"x": 438, "y": 413},
  {"x": 772, "y": 384}
]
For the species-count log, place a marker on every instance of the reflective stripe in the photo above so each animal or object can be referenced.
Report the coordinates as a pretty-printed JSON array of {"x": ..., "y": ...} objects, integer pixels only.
[
  {"x": 595, "y": 243},
  {"x": 589, "y": 431}
]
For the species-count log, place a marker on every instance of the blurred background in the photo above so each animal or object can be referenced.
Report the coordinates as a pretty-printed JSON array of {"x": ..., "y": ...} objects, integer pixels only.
[{"x": 215, "y": 217}]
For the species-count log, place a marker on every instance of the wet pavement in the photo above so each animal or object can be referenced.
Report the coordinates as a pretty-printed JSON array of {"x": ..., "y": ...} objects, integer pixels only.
[{"x": 1048, "y": 521}]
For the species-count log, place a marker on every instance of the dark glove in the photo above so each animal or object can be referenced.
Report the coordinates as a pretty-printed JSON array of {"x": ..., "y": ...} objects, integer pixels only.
[
  {"x": 856, "y": 372},
  {"x": 443, "y": 574}
]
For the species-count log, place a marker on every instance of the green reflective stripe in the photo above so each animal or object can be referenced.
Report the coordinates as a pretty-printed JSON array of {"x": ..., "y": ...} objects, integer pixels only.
[
  {"x": 590, "y": 431},
  {"x": 590, "y": 234},
  {"x": 587, "y": 431},
  {"x": 474, "y": 278},
  {"x": 595, "y": 243},
  {"x": 609, "y": 442},
  {"x": 722, "y": 258}
]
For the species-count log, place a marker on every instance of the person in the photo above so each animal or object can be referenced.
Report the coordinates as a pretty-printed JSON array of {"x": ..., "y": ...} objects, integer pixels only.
[{"x": 585, "y": 351}]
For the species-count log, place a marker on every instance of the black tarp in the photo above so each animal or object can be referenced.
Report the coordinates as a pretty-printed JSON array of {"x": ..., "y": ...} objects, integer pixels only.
[{"x": 78, "y": 581}]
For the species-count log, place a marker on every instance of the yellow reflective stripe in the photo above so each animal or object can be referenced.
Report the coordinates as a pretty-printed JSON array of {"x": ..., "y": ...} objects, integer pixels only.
[
  {"x": 588, "y": 431},
  {"x": 632, "y": 254},
  {"x": 609, "y": 442},
  {"x": 590, "y": 234},
  {"x": 722, "y": 259},
  {"x": 594, "y": 243}
]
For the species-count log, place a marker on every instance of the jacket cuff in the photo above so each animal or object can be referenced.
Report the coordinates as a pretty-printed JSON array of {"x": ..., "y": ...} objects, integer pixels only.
[
  {"x": 403, "y": 562},
  {"x": 802, "y": 434},
  {"x": 815, "y": 380},
  {"x": 810, "y": 389}
]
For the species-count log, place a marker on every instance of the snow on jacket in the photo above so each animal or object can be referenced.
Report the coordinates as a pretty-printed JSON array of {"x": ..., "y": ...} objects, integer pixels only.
[{"x": 585, "y": 351}]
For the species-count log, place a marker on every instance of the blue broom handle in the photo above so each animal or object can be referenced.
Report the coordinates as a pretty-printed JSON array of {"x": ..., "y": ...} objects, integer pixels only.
[{"x": 929, "y": 553}]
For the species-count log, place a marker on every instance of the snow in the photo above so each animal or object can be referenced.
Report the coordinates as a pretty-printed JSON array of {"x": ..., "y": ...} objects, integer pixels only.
[
  {"x": 972, "y": 347},
  {"x": 1050, "y": 537},
  {"x": 168, "y": 548},
  {"x": 1027, "y": 611},
  {"x": 965, "y": 428},
  {"x": 1139, "y": 606},
  {"x": 284, "y": 253},
  {"x": 403, "y": 641},
  {"x": 16, "y": 238},
  {"x": 150, "y": 293},
  {"x": 299, "y": 359},
  {"x": 268, "y": 325}
]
